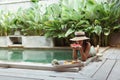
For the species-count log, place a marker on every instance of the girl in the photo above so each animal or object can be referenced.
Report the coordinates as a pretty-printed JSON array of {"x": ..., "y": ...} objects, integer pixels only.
[{"x": 81, "y": 46}]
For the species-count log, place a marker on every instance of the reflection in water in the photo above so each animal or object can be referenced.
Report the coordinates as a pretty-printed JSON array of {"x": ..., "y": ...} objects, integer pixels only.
[
  {"x": 4, "y": 54},
  {"x": 37, "y": 56},
  {"x": 32, "y": 55},
  {"x": 15, "y": 55}
]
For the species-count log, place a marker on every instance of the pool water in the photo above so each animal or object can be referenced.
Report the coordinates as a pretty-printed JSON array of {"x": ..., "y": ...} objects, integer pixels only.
[{"x": 34, "y": 55}]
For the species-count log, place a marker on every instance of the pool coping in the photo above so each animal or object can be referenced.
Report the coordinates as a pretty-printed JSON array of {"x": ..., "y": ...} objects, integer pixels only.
[
  {"x": 40, "y": 48},
  {"x": 36, "y": 66}
]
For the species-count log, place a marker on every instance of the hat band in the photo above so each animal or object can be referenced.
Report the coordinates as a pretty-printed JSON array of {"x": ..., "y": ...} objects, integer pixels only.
[{"x": 79, "y": 35}]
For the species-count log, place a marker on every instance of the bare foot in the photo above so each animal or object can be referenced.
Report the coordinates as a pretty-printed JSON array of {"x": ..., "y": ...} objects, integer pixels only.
[{"x": 97, "y": 49}]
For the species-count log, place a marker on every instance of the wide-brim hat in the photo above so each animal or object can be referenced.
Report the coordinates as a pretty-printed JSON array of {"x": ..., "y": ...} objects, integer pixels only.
[{"x": 79, "y": 36}]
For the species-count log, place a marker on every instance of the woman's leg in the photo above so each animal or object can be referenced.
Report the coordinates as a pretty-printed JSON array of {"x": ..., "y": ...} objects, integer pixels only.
[
  {"x": 97, "y": 49},
  {"x": 87, "y": 50}
]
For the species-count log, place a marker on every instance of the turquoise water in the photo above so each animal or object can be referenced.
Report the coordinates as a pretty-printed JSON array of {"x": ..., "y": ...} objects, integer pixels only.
[{"x": 34, "y": 55}]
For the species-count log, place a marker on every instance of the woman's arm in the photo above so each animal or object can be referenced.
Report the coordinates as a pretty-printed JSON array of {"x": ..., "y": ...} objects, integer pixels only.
[
  {"x": 85, "y": 54},
  {"x": 75, "y": 48},
  {"x": 87, "y": 50}
]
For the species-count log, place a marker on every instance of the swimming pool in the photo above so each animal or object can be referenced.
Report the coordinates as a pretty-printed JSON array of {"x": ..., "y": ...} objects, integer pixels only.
[{"x": 34, "y": 55}]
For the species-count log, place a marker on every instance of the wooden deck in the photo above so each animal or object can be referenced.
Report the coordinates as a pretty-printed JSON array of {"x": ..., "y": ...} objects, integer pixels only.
[{"x": 107, "y": 69}]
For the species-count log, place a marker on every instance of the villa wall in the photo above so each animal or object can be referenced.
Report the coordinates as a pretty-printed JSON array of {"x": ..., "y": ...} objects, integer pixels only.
[{"x": 14, "y": 5}]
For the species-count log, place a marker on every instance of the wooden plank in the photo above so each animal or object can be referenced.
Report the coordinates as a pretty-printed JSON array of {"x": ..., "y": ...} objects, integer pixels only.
[
  {"x": 114, "y": 54},
  {"x": 91, "y": 68},
  {"x": 108, "y": 53},
  {"x": 115, "y": 73},
  {"x": 40, "y": 76},
  {"x": 40, "y": 73},
  {"x": 84, "y": 79},
  {"x": 14, "y": 78},
  {"x": 33, "y": 77},
  {"x": 118, "y": 52},
  {"x": 104, "y": 71}
]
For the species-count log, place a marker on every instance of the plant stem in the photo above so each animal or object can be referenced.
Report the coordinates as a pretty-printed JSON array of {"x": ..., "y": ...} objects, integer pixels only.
[{"x": 106, "y": 37}]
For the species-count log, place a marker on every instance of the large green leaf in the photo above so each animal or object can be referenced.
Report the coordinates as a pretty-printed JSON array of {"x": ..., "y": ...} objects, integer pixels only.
[
  {"x": 69, "y": 31},
  {"x": 98, "y": 30}
]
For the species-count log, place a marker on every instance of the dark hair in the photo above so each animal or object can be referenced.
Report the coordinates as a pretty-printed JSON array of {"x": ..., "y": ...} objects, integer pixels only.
[{"x": 85, "y": 44}]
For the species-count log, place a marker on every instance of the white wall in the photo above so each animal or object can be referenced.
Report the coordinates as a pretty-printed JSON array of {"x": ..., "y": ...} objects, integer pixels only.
[{"x": 14, "y": 5}]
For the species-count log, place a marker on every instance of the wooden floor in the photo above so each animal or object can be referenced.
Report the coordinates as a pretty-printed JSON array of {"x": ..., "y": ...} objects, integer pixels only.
[{"x": 107, "y": 69}]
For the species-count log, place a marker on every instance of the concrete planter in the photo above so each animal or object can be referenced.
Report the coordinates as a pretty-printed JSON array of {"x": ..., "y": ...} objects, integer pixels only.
[
  {"x": 3, "y": 41},
  {"x": 26, "y": 41},
  {"x": 37, "y": 41},
  {"x": 114, "y": 39}
]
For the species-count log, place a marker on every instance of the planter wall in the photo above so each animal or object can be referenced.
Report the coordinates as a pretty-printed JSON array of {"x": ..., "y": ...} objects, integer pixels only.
[
  {"x": 3, "y": 41},
  {"x": 37, "y": 41},
  {"x": 26, "y": 41}
]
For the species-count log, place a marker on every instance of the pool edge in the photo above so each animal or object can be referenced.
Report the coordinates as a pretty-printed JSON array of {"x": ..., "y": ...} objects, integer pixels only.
[{"x": 36, "y": 66}]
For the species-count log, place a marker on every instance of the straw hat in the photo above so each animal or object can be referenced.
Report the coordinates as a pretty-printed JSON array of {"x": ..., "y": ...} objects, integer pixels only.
[{"x": 79, "y": 36}]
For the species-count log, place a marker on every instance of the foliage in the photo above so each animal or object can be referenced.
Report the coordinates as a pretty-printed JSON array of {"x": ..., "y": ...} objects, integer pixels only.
[
  {"x": 6, "y": 22},
  {"x": 108, "y": 15},
  {"x": 53, "y": 25},
  {"x": 96, "y": 19},
  {"x": 34, "y": 1},
  {"x": 30, "y": 21}
]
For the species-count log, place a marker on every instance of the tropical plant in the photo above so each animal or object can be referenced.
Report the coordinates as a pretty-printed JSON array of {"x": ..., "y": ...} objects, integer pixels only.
[
  {"x": 96, "y": 19},
  {"x": 108, "y": 15},
  {"x": 53, "y": 25},
  {"x": 80, "y": 17},
  {"x": 69, "y": 16},
  {"x": 30, "y": 20},
  {"x": 6, "y": 22}
]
